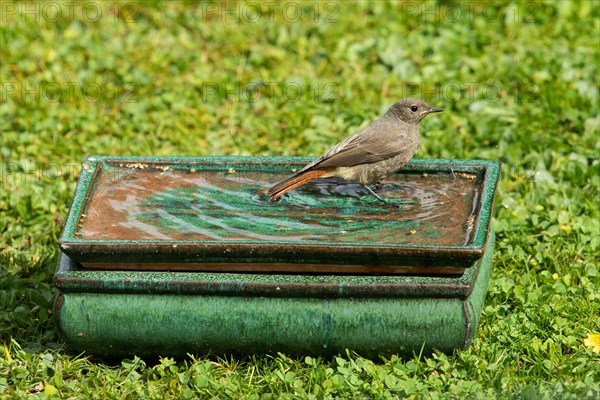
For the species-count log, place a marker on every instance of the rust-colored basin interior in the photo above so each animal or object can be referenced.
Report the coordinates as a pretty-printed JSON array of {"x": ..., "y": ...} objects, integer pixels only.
[{"x": 216, "y": 216}]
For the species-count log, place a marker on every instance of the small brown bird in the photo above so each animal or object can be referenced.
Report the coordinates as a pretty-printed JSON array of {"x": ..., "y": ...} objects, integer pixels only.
[{"x": 371, "y": 154}]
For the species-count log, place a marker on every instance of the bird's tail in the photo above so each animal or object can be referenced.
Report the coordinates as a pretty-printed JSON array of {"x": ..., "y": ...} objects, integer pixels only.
[{"x": 294, "y": 181}]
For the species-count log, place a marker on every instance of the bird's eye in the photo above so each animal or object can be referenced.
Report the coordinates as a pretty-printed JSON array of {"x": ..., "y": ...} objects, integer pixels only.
[{"x": 414, "y": 108}]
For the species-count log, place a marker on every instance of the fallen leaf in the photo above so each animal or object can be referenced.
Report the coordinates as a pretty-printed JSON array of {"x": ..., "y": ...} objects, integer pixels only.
[{"x": 7, "y": 354}]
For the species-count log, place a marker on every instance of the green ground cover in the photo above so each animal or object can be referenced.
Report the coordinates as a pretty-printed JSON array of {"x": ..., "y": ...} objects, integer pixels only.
[{"x": 519, "y": 82}]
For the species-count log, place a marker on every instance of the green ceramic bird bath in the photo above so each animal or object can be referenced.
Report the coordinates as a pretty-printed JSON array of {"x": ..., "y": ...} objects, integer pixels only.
[{"x": 176, "y": 255}]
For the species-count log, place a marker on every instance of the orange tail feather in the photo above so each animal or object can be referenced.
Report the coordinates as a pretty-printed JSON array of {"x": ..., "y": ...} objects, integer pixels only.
[{"x": 294, "y": 181}]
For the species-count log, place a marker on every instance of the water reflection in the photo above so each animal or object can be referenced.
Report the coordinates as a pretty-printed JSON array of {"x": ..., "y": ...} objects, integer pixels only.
[{"x": 433, "y": 209}]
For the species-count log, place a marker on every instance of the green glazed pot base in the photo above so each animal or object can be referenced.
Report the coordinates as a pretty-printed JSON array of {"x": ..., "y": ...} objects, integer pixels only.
[{"x": 126, "y": 313}]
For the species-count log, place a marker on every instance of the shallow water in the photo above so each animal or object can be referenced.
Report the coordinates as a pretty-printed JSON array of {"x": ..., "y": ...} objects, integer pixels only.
[{"x": 157, "y": 204}]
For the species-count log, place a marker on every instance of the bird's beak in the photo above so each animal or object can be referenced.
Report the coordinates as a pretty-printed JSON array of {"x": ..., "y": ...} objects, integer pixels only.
[{"x": 434, "y": 110}]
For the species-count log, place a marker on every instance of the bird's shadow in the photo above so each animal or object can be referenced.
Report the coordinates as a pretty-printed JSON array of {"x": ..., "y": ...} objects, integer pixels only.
[{"x": 339, "y": 187}]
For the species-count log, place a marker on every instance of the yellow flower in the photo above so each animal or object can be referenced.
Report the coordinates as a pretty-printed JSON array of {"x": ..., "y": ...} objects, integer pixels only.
[{"x": 592, "y": 341}]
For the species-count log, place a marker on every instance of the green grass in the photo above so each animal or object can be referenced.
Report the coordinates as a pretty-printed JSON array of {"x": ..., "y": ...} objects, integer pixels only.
[{"x": 519, "y": 82}]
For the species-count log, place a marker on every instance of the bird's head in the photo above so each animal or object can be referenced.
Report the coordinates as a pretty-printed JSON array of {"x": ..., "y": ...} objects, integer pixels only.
[{"x": 412, "y": 111}]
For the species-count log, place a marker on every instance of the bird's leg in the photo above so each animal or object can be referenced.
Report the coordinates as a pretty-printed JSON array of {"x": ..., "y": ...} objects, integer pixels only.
[
  {"x": 452, "y": 171},
  {"x": 377, "y": 196}
]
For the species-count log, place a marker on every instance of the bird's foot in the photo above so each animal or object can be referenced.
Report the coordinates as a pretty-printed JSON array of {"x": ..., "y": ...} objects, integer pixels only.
[{"x": 386, "y": 202}]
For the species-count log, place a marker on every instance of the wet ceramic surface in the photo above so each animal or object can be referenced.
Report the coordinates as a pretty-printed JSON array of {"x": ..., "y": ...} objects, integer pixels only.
[
  {"x": 214, "y": 211},
  {"x": 187, "y": 204}
]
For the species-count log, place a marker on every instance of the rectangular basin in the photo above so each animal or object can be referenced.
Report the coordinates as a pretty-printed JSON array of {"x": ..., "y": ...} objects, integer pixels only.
[{"x": 212, "y": 214}]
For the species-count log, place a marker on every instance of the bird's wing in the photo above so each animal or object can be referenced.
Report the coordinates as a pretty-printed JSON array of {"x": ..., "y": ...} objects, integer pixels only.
[{"x": 364, "y": 147}]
